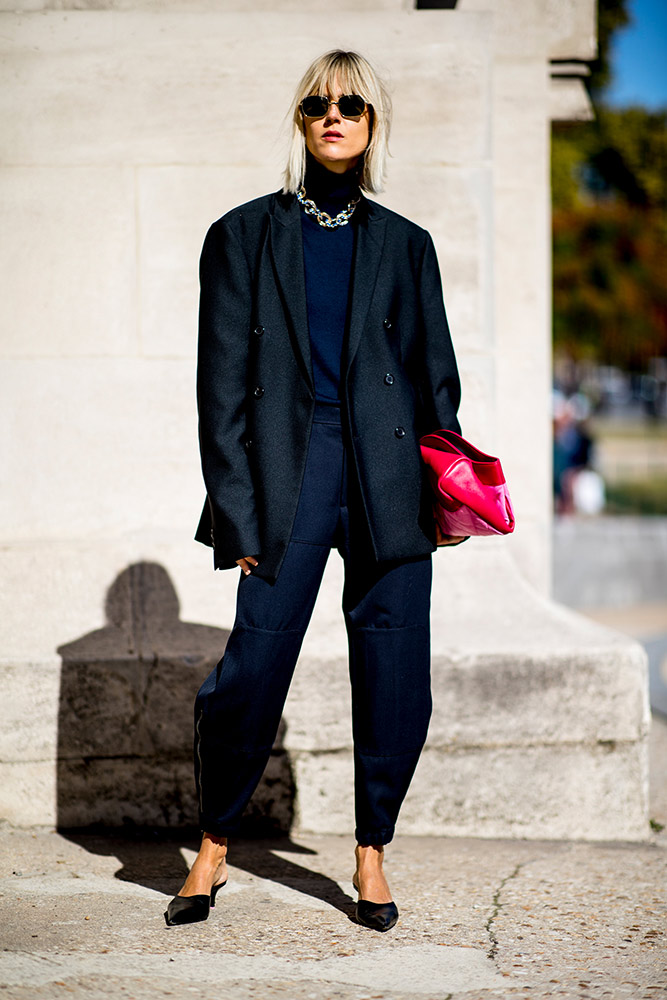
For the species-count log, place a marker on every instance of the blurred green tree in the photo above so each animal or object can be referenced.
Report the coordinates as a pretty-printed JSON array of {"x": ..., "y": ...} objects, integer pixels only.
[
  {"x": 609, "y": 199},
  {"x": 612, "y": 15}
]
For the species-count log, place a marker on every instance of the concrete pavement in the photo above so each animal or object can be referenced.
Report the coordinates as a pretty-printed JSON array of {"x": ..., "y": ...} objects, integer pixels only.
[{"x": 81, "y": 915}]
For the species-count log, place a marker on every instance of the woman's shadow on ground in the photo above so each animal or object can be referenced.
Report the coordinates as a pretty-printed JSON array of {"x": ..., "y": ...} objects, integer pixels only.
[{"x": 124, "y": 773}]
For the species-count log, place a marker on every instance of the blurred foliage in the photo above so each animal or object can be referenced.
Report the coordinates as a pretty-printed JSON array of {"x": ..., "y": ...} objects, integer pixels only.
[
  {"x": 612, "y": 15},
  {"x": 609, "y": 197},
  {"x": 609, "y": 284},
  {"x": 621, "y": 156},
  {"x": 646, "y": 496}
]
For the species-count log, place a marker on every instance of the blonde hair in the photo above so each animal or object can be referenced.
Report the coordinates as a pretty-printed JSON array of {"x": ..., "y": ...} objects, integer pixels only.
[{"x": 354, "y": 75}]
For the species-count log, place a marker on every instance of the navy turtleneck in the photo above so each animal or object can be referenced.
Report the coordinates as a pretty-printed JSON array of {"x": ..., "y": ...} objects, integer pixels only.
[{"x": 327, "y": 256}]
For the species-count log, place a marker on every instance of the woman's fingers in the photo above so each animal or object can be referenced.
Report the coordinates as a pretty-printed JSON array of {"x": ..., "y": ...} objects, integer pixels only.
[
  {"x": 442, "y": 539},
  {"x": 246, "y": 564}
]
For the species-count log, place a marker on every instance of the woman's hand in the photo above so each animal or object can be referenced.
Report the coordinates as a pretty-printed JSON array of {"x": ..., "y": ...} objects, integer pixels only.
[
  {"x": 442, "y": 539},
  {"x": 246, "y": 564}
]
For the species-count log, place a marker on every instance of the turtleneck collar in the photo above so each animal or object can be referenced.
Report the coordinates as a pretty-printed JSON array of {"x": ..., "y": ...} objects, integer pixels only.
[{"x": 327, "y": 189}]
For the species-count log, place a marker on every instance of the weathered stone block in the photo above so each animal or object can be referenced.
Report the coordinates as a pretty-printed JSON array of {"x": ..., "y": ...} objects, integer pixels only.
[
  {"x": 120, "y": 450},
  {"x": 70, "y": 265},
  {"x": 572, "y": 29},
  {"x": 568, "y": 791},
  {"x": 564, "y": 792},
  {"x": 569, "y": 100},
  {"x": 171, "y": 96},
  {"x": 28, "y": 792}
]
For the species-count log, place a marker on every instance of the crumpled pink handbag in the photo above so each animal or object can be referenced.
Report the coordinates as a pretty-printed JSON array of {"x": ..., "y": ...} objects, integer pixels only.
[{"x": 470, "y": 492}]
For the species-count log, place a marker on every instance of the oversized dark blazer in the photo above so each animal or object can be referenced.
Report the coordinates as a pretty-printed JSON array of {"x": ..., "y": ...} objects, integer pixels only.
[{"x": 399, "y": 379}]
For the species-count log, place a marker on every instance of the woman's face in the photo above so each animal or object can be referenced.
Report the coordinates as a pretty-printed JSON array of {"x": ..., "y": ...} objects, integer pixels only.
[{"x": 337, "y": 142}]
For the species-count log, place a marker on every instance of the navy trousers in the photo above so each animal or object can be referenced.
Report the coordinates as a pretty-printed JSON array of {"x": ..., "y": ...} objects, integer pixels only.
[{"x": 386, "y": 607}]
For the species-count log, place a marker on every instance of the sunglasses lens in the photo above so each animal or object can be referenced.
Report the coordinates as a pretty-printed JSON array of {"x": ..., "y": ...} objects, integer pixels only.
[
  {"x": 351, "y": 105},
  {"x": 315, "y": 106}
]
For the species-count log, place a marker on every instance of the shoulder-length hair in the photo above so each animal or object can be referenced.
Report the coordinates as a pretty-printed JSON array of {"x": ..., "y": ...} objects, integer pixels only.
[{"x": 354, "y": 75}]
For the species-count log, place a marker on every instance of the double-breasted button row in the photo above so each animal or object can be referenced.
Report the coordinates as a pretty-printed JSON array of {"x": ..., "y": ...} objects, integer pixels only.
[
  {"x": 258, "y": 391},
  {"x": 259, "y": 331},
  {"x": 389, "y": 379},
  {"x": 399, "y": 432}
]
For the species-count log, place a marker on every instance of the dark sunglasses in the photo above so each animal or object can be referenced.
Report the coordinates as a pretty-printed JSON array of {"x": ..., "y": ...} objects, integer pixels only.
[{"x": 350, "y": 106}]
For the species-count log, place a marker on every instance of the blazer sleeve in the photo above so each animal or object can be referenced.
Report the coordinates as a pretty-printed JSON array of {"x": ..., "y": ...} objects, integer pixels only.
[
  {"x": 440, "y": 384},
  {"x": 225, "y": 312}
]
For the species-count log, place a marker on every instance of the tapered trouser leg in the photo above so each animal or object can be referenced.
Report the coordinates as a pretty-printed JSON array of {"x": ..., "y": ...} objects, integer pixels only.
[
  {"x": 239, "y": 705},
  {"x": 387, "y": 618}
]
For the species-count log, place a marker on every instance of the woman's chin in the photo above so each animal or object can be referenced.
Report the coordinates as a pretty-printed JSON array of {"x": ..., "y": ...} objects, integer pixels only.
[{"x": 335, "y": 160}]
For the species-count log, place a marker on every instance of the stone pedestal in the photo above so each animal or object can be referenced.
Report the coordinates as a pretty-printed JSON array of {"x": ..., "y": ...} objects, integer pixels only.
[{"x": 539, "y": 728}]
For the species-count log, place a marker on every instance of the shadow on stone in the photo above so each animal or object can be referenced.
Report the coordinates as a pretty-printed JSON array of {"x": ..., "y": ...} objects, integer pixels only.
[
  {"x": 154, "y": 858},
  {"x": 125, "y": 739},
  {"x": 125, "y": 720}
]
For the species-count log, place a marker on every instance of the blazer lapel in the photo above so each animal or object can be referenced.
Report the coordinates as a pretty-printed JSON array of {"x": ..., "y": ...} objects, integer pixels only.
[
  {"x": 367, "y": 257},
  {"x": 287, "y": 255}
]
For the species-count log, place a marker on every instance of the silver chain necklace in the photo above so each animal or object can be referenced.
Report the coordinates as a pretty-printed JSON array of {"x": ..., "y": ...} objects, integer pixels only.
[{"x": 324, "y": 219}]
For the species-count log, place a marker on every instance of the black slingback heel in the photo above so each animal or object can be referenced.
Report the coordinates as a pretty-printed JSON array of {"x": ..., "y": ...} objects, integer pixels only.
[
  {"x": 215, "y": 890},
  {"x": 191, "y": 909}
]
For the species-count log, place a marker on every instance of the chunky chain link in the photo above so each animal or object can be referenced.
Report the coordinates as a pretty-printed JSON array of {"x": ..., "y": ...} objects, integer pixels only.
[{"x": 324, "y": 219}]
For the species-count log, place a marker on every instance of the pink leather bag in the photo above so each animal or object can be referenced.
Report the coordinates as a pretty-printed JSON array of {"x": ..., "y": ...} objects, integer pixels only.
[{"x": 470, "y": 492}]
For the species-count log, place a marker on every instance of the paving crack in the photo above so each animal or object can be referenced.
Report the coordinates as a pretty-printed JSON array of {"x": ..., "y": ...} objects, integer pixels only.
[{"x": 497, "y": 907}]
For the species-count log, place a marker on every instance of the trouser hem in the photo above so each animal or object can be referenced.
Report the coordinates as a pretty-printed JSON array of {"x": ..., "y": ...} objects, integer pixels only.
[
  {"x": 218, "y": 829},
  {"x": 380, "y": 836}
]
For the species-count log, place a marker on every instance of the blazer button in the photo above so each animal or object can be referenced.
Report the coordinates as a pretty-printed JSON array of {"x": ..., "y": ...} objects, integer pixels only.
[
  {"x": 387, "y": 324},
  {"x": 388, "y": 379},
  {"x": 259, "y": 392},
  {"x": 400, "y": 432},
  {"x": 258, "y": 331},
  {"x": 247, "y": 445}
]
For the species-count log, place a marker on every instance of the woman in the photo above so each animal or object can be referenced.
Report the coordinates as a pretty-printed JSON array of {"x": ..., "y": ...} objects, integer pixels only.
[{"x": 324, "y": 354}]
